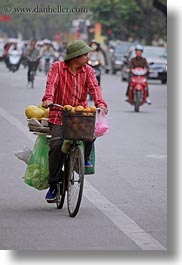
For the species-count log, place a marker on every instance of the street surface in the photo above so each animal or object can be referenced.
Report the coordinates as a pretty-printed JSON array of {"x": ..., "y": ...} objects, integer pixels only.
[{"x": 124, "y": 206}]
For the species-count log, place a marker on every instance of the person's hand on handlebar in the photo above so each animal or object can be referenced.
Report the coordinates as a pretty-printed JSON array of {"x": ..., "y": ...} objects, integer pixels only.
[{"x": 46, "y": 103}]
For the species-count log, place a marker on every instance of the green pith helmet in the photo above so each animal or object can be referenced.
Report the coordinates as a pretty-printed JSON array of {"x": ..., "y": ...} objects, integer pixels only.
[{"x": 76, "y": 48}]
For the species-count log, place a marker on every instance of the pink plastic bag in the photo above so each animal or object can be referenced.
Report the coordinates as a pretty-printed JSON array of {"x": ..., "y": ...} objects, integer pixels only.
[{"x": 101, "y": 125}]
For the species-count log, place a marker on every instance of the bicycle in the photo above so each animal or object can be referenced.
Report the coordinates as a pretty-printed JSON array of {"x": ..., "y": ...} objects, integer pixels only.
[
  {"x": 32, "y": 65},
  {"x": 72, "y": 177}
]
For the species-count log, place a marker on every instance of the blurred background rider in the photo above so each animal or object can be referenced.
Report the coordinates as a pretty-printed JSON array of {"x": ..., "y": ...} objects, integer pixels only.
[
  {"x": 138, "y": 61},
  {"x": 33, "y": 56}
]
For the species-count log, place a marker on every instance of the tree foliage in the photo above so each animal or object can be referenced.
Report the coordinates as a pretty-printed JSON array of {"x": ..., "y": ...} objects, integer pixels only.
[
  {"x": 116, "y": 15},
  {"x": 161, "y": 6},
  {"x": 139, "y": 18},
  {"x": 120, "y": 19}
]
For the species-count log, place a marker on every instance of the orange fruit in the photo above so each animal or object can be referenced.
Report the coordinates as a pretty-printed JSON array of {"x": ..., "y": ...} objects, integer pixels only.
[
  {"x": 90, "y": 114},
  {"x": 73, "y": 110},
  {"x": 75, "y": 120},
  {"x": 74, "y": 127},
  {"x": 68, "y": 123},
  {"x": 67, "y": 107},
  {"x": 88, "y": 109},
  {"x": 79, "y": 108},
  {"x": 92, "y": 108},
  {"x": 82, "y": 126}
]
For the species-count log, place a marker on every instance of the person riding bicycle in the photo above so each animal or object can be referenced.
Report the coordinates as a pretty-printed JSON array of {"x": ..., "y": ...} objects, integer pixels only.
[
  {"x": 32, "y": 55},
  {"x": 68, "y": 83},
  {"x": 138, "y": 61}
]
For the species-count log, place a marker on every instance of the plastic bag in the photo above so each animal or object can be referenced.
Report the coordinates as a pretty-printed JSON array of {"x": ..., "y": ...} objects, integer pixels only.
[
  {"x": 37, "y": 172},
  {"x": 24, "y": 154},
  {"x": 101, "y": 125},
  {"x": 91, "y": 170}
]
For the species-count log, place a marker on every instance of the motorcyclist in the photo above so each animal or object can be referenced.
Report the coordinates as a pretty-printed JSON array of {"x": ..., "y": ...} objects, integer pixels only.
[
  {"x": 138, "y": 61},
  {"x": 15, "y": 47},
  {"x": 14, "y": 50},
  {"x": 97, "y": 54},
  {"x": 32, "y": 55}
]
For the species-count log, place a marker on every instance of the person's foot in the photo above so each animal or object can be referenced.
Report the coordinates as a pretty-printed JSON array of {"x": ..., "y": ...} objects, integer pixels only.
[
  {"x": 148, "y": 101},
  {"x": 88, "y": 164},
  {"x": 51, "y": 195},
  {"x": 126, "y": 99}
]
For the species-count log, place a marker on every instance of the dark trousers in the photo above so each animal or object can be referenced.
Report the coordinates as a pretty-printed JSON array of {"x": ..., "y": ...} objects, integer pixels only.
[
  {"x": 56, "y": 156},
  {"x": 32, "y": 66}
]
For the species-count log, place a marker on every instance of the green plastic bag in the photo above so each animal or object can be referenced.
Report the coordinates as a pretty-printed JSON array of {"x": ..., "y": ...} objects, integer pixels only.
[
  {"x": 91, "y": 170},
  {"x": 37, "y": 172}
]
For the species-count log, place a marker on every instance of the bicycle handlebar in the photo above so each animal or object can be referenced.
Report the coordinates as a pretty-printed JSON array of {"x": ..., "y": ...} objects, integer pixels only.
[{"x": 55, "y": 105}]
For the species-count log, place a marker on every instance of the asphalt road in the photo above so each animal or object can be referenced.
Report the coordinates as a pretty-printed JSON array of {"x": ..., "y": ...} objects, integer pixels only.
[{"x": 124, "y": 206}]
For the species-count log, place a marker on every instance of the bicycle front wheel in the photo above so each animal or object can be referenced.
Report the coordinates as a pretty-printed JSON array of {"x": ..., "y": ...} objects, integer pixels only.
[
  {"x": 75, "y": 180},
  {"x": 60, "y": 193}
]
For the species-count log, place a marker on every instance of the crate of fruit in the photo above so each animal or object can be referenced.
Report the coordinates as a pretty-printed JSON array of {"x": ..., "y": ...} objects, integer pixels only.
[{"x": 78, "y": 125}]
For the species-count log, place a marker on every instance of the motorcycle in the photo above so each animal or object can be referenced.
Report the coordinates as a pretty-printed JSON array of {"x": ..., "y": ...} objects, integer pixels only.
[
  {"x": 14, "y": 60},
  {"x": 138, "y": 87},
  {"x": 95, "y": 64}
]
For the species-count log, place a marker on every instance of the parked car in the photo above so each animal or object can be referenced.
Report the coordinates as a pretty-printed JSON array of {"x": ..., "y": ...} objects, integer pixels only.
[
  {"x": 157, "y": 59},
  {"x": 117, "y": 56}
]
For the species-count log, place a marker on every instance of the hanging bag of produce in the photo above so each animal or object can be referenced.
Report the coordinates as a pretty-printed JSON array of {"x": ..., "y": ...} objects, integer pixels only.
[{"x": 37, "y": 171}]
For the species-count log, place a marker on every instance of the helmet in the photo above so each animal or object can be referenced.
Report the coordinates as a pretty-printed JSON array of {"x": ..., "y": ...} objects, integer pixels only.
[
  {"x": 40, "y": 43},
  {"x": 46, "y": 42},
  {"x": 139, "y": 47},
  {"x": 95, "y": 45},
  {"x": 76, "y": 48},
  {"x": 94, "y": 41}
]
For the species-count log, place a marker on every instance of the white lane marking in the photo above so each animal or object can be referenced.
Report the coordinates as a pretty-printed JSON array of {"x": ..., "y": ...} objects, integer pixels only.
[
  {"x": 157, "y": 156},
  {"x": 19, "y": 125},
  {"x": 124, "y": 223}
]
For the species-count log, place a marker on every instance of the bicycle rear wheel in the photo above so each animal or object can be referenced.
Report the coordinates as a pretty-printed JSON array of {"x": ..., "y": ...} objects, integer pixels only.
[{"x": 75, "y": 180}]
